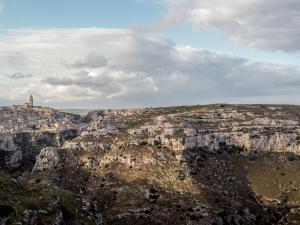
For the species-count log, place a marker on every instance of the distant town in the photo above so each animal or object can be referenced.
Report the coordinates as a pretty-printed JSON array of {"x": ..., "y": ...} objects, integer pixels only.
[{"x": 29, "y": 117}]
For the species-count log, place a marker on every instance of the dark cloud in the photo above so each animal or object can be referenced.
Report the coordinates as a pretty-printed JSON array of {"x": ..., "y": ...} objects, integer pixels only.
[{"x": 101, "y": 84}]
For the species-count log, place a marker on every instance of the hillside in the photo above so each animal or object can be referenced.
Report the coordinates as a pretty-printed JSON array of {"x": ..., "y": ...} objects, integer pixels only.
[{"x": 203, "y": 164}]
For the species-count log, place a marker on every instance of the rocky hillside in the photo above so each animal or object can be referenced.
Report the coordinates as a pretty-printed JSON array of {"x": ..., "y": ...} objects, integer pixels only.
[{"x": 214, "y": 164}]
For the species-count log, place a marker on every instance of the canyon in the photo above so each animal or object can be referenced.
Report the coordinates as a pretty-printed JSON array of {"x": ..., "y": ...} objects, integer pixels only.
[{"x": 201, "y": 164}]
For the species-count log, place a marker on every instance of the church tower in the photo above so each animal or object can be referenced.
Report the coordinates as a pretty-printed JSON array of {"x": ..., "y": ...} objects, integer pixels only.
[{"x": 30, "y": 103}]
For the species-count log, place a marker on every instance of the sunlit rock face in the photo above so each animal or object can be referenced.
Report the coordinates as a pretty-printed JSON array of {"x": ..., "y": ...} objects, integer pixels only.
[
  {"x": 217, "y": 129},
  {"x": 215, "y": 164},
  {"x": 47, "y": 159}
]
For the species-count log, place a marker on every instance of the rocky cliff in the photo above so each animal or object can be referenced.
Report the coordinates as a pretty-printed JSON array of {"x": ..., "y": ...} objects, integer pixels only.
[{"x": 215, "y": 164}]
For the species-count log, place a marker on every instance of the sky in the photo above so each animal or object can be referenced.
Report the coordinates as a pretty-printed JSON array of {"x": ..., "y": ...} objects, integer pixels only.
[{"x": 144, "y": 53}]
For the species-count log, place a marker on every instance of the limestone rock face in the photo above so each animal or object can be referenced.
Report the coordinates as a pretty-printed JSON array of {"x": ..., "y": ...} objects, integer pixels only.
[
  {"x": 249, "y": 129},
  {"x": 47, "y": 159},
  {"x": 7, "y": 142},
  {"x": 212, "y": 164},
  {"x": 278, "y": 142},
  {"x": 10, "y": 154}
]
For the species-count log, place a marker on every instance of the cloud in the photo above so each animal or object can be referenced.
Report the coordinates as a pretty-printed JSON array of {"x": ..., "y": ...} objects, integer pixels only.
[
  {"x": 268, "y": 24},
  {"x": 124, "y": 68},
  {"x": 102, "y": 84},
  {"x": 17, "y": 76},
  {"x": 91, "y": 61}
]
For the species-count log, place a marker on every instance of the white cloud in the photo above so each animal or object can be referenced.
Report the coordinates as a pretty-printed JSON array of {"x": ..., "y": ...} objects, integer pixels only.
[
  {"x": 124, "y": 68},
  {"x": 269, "y": 24}
]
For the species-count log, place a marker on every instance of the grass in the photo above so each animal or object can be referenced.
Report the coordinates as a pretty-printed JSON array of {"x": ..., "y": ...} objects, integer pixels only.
[
  {"x": 273, "y": 175},
  {"x": 31, "y": 196}
]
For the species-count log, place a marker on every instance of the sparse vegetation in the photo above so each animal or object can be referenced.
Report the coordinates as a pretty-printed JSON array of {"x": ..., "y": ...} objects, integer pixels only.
[{"x": 212, "y": 164}]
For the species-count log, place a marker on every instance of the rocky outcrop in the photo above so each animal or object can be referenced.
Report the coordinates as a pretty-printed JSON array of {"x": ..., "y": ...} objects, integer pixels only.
[
  {"x": 47, "y": 159},
  {"x": 19, "y": 150},
  {"x": 10, "y": 153},
  {"x": 217, "y": 130},
  {"x": 256, "y": 141}
]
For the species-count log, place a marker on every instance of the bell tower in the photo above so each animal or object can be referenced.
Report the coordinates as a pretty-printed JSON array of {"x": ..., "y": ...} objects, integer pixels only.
[{"x": 30, "y": 103}]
